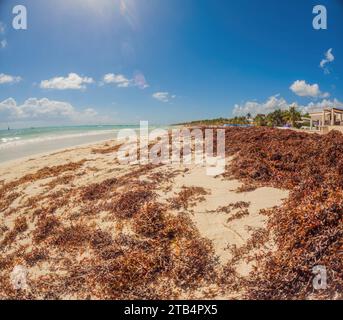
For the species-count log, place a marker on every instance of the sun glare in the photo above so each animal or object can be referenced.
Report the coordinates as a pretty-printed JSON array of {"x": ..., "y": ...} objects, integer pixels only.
[
  {"x": 98, "y": 5},
  {"x": 126, "y": 8}
]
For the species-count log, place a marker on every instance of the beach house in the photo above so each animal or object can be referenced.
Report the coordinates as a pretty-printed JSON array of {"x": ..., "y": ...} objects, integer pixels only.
[{"x": 327, "y": 120}]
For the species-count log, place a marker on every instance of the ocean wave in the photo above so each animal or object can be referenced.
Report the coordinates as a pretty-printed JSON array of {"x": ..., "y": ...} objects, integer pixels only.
[
  {"x": 18, "y": 141},
  {"x": 6, "y": 140}
]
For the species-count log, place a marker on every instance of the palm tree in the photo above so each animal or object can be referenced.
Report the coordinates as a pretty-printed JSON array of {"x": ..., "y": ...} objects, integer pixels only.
[
  {"x": 276, "y": 118},
  {"x": 293, "y": 116},
  {"x": 260, "y": 120}
]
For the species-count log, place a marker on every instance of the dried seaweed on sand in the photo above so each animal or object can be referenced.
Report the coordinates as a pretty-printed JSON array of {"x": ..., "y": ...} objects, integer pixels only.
[
  {"x": 238, "y": 215},
  {"x": 188, "y": 197},
  {"x": 308, "y": 228}
]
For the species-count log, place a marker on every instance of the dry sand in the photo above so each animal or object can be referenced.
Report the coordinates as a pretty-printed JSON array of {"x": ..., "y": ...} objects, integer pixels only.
[{"x": 211, "y": 222}]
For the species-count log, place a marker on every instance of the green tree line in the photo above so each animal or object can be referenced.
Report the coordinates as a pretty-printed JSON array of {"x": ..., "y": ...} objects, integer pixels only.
[{"x": 277, "y": 118}]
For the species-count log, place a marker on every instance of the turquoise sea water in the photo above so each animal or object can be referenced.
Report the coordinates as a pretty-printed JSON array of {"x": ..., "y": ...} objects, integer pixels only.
[
  {"x": 18, "y": 143},
  {"x": 13, "y": 136}
]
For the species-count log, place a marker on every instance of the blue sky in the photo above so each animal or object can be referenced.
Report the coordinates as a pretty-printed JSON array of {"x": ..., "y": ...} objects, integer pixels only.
[{"x": 121, "y": 61}]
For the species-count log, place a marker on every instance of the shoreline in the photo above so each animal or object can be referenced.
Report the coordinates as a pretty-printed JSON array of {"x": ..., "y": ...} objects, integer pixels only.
[
  {"x": 47, "y": 144},
  {"x": 38, "y": 156}
]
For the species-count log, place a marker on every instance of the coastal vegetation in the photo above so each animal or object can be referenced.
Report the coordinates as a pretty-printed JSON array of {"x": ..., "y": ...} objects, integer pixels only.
[{"x": 278, "y": 118}]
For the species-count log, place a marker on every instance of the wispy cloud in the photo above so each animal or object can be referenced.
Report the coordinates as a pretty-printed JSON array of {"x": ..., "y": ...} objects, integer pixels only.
[
  {"x": 72, "y": 82},
  {"x": 2, "y": 28},
  {"x": 163, "y": 96},
  {"x": 8, "y": 79},
  {"x": 3, "y": 44},
  {"x": 302, "y": 89},
  {"x": 329, "y": 57},
  {"x": 121, "y": 81}
]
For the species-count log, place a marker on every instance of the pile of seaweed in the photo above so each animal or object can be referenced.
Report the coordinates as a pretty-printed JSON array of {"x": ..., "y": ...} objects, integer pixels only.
[
  {"x": 147, "y": 253},
  {"x": 307, "y": 228},
  {"x": 155, "y": 254}
]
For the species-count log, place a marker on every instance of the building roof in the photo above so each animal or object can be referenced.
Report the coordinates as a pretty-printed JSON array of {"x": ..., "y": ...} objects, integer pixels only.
[{"x": 328, "y": 110}]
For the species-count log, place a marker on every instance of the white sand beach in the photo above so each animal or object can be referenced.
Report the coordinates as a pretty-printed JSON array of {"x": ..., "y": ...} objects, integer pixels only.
[{"x": 207, "y": 209}]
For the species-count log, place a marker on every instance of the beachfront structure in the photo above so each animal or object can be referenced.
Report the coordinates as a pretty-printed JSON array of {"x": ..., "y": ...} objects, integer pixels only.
[{"x": 327, "y": 120}]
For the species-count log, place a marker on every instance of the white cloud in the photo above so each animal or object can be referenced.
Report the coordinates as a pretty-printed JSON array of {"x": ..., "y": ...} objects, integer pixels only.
[
  {"x": 5, "y": 78},
  {"x": 319, "y": 106},
  {"x": 275, "y": 102},
  {"x": 253, "y": 107},
  {"x": 302, "y": 89},
  {"x": 122, "y": 81},
  {"x": 163, "y": 96},
  {"x": 34, "y": 109},
  {"x": 329, "y": 57},
  {"x": 73, "y": 82}
]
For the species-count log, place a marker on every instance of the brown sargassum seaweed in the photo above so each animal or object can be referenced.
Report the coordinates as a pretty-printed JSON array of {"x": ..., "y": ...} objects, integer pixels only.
[
  {"x": 164, "y": 255},
  {"x": 308, "y": 227}
]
